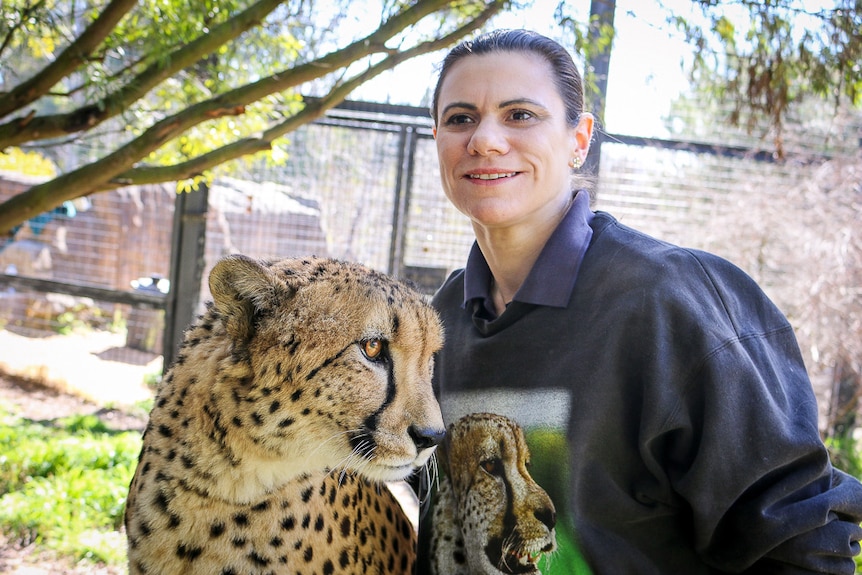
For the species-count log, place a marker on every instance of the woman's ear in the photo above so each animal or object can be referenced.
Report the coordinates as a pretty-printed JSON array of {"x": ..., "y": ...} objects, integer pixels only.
[{"x": 583, "y": 135}]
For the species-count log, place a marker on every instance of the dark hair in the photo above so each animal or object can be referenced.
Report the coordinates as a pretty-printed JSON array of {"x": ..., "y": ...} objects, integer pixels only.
[{"x": 566, "y": 76}]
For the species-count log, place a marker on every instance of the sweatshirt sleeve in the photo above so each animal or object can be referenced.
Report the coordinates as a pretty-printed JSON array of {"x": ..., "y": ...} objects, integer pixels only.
[{"x": 744, "y": 450}]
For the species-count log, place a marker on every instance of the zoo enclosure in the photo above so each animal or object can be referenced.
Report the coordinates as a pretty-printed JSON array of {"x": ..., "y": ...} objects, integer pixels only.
[{"x": 362, "y": 184}]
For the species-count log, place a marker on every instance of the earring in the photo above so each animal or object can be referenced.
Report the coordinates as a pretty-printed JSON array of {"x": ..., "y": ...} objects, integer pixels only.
[{"x": 576, "y": 162}]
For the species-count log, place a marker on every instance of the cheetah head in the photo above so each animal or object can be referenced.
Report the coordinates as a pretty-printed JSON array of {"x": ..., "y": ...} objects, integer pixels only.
[
  {"x": 506, "y": 518},
  {"x": 326, "y": 365}
]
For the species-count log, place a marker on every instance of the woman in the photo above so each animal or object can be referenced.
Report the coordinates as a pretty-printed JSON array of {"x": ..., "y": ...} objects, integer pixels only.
[{"x": 663, "y": 397}]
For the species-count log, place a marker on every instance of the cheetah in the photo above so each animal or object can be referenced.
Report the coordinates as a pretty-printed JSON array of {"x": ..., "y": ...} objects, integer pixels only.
[
  {"x": 303, "y": 387},
  {"x": 490, "y": 517}
]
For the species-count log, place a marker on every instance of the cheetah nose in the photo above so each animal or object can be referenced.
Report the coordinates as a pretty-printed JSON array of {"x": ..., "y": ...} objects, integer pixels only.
[
  {"x": 546, "y": 516},
  {"x": 425, "y": 437}
]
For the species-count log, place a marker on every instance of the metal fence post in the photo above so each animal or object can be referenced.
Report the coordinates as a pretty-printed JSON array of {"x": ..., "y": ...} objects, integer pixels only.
[
  {"x": 187, "y": 266},
  {"x": 403, "y": 184}
]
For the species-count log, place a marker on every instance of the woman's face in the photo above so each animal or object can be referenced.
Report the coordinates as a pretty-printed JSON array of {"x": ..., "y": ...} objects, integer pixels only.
[{"x": 503, "y": 142}]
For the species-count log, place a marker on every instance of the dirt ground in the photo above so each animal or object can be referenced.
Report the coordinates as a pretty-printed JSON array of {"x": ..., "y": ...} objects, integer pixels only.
[
  {"x": 37, "y": 402},
  {"x": 15, "y": 560}
]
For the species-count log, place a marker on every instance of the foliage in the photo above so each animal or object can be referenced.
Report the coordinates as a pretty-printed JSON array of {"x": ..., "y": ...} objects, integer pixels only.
[
  {"x": 760, "y": 58},
  {"x": 153, "y": 379},
  {"x": 63, "y": 484},
  {"x": 83, "y": 317},
  {"x": 26, "y": 163},
  {"x": 593, "y": 41},
  {"x": 170, "y": 90},
  {"x": 784, "y": 54},
  {"x": 846, "y": 454}
]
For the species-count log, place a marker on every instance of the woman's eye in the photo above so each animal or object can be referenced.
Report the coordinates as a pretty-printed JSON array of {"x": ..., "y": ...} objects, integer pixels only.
[
  {"x": 372, "y": 348},
  {"x": 521, "y": 115},
  {"x": 456, "y": 119}
]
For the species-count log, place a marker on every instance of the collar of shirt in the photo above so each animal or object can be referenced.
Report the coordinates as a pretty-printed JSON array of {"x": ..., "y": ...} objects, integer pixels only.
[{"x": 553, "y": 276}]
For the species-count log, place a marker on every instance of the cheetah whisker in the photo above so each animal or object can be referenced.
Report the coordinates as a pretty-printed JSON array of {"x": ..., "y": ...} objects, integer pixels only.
[
  {"x": 505, "y": 546},
  {"x": 362, "y": 451},
  {"x": 431, "y": 476},
  {"x": 333, "y": 437},
  {"x": 336, "y": 436},
  {"x": 365, "y": 451},
  {"x": 433, "y": 471},
  {"x": 509, "y": 547}
]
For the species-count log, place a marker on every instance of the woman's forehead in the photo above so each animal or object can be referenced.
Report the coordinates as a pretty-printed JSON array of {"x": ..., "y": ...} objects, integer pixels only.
[{"x": 510, "y": 75}]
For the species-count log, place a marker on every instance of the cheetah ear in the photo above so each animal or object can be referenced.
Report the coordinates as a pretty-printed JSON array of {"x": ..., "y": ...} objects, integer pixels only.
[{"x": 240, "y": 287}]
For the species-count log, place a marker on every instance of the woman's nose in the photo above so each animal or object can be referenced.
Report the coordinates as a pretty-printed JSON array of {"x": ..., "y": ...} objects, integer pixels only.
[{"x": 488, "y": 138}]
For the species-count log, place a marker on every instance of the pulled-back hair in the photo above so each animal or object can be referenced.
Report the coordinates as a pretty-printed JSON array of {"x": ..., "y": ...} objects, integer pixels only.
[{"x": 566, "y": 76}]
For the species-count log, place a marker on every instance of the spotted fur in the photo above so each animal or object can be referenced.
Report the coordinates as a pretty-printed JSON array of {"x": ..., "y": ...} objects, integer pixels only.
[
  {"x": 490, "y": 517},
  {"x": 305, "y": 385}
]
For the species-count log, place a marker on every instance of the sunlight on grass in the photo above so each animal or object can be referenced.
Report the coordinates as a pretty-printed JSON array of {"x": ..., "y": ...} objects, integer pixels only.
[{"x": 63, "y": 485}]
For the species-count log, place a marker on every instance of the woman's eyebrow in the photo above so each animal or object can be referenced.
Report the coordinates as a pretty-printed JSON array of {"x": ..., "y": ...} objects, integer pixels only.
[
  {"x": 521, "y": 101},
  {"x": 459, "y": 105}
]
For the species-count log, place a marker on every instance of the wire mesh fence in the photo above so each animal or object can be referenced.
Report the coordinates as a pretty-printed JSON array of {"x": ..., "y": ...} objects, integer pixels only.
[{"x": 364, "y": 186}]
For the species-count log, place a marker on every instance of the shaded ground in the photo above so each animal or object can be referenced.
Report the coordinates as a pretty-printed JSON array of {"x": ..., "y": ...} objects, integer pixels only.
[{"x": 40, "y": 403}]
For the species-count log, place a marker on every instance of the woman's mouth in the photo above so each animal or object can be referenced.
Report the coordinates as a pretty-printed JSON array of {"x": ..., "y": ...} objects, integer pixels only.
[{"x": 495, "y": 176}]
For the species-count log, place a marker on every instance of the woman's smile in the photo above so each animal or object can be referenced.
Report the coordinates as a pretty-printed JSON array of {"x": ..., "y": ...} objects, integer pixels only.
[{"x": 490, "y": 175}]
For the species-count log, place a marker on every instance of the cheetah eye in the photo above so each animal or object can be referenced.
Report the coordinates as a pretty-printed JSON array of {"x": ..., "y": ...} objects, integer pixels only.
[
  {"x": 373, "y": 348},
  {"x": 492, "y": 466}
]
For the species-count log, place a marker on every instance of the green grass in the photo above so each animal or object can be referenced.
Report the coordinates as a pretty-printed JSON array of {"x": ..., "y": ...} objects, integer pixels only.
[{"x": 63, "y": 485}]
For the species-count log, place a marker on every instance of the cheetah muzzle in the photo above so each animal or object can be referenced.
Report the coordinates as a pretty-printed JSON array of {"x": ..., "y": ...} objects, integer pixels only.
[{"x": 304, "y": 385}]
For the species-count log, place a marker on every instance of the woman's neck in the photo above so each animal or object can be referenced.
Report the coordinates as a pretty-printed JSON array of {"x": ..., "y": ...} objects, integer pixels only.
[{"x": 511, "y": 253}]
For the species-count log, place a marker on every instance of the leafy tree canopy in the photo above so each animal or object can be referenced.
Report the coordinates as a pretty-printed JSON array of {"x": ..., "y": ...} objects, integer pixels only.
[
  {"x": 763, "y": 57},
  {"x": 168, "y": 90},
  {"x": 759, "y": 57}
]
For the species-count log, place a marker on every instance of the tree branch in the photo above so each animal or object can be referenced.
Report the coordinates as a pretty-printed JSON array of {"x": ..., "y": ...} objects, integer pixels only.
[
  {"x": 16, "y": 132},
  {"x": 311, "y": 112},
  {"x": 98, "y": 175},
  {"x": 69, "y": 59}
]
